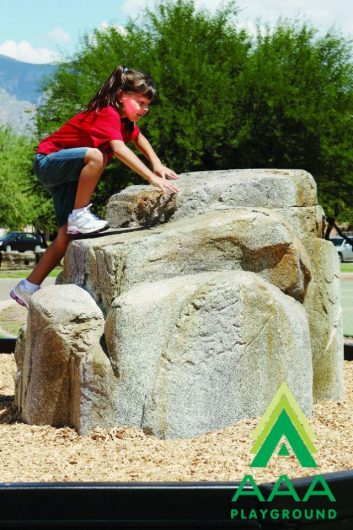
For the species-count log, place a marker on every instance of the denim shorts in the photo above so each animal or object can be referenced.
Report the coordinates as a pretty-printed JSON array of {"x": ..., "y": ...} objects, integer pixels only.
[{"x": 59, "y": 173}]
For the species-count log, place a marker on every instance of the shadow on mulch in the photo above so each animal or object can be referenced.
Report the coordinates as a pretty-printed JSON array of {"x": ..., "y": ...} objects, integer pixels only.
[{"x": 8, "y": 410}]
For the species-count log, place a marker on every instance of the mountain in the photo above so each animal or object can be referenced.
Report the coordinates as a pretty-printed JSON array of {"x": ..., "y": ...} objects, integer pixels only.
[
  {"x": 23, "y": 80},
  {"x": 19, "y": 114},
  {"x": 21, "y": 92}
]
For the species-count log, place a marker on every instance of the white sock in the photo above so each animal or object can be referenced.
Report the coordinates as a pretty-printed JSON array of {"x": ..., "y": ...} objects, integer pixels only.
[{"x": 30, "y": 287}]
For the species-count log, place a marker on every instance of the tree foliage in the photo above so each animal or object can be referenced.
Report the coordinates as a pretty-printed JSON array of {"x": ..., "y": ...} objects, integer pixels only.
[
  {"x": 283, "y": 98},
  {"x": 15, "y": 168},
  {"x": 298, "y": 109},
  {"x": 23, "y": 201}
]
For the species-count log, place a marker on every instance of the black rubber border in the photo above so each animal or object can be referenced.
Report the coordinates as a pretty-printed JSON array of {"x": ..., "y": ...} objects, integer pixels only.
[
  {"x": 157, "y": 505},
  {"x": 8, "y": 345},
  {"x": 348, "y": 352}
]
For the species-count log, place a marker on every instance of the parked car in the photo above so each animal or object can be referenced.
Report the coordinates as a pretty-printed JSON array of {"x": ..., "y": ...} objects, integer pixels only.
[
  {"x": 21, "y": 241},
  {"x": 344, "y": 249}
]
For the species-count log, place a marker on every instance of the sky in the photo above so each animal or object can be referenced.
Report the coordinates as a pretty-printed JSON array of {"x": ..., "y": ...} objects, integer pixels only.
[{"x": 41, "y": 31}]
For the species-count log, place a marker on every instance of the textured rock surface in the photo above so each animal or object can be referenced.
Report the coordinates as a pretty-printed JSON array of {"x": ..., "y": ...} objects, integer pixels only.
[
  {"x": 292, "y": 195},
  {"x": 212, "y": 349},
  {"x": 306, "y": 222},
  {"x": 207, "y": 313},
  {"x": 323, "y": 306},
  {"x": 243, "y": 239},
  {"x": 64, "y": 377},
  {"x": 213, "y": 190}
]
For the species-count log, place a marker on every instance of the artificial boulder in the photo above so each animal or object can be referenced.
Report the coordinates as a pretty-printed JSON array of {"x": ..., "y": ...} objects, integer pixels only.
[
  {"x": 211, "y": 350},
  {"x": 211, "y": 298},
  {"x": 64, "y": 376},
  {"x": 206, "y": 191},
  {"x": 324, "y": 310},
  {"x": 292, "y": 195},
  {"x": 255, "y": 240}
]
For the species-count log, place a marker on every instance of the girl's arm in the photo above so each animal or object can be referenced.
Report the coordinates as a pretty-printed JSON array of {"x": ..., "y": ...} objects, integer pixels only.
[
  {"x": 128, "y": 157},
  {"x": 146, "y": 149}
]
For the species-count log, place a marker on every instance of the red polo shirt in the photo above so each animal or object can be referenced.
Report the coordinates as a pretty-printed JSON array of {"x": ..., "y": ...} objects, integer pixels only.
[{"x": 90, "y": 129}]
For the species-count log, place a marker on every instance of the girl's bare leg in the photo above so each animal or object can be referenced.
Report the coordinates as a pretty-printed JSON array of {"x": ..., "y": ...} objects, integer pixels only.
[
  {"x": 51, "y": 257},
  {"x": 95, "y": 162}
]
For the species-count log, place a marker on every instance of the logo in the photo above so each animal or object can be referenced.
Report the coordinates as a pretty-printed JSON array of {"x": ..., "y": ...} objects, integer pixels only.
[
  {"x": 283, "y": 424},
  {"x": 283, "y": 417}
]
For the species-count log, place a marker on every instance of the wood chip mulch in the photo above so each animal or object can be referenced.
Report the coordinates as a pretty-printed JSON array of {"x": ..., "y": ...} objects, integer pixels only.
[{"x": 46, "y": 454}]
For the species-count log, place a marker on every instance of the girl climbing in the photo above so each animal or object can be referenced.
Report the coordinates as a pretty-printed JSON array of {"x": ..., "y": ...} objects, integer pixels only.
[{"x": 70, "y": 162}]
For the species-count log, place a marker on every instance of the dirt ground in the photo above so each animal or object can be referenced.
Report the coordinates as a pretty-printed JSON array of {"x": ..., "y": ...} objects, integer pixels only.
[{"x": 46, "y": 454}]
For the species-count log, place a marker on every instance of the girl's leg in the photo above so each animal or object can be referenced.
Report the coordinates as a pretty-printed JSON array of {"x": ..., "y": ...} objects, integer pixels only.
[
  {"x": 95, "y": 162},
  {"x": 51, "y": 257}
]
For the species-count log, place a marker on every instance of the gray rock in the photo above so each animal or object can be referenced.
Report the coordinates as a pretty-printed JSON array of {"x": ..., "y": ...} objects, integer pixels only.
[
  {"x": 191, "y": 342},
  {"x": 197, "y": 353},
  {"x": 306, "y": 221},
  {"x": 292, "y": 195},
  {"x": 250, "y": 239},
  {"x": 205, "y": 191},
  {"x": 324, "y": 310},
  {"x": 64, "y": 376}
]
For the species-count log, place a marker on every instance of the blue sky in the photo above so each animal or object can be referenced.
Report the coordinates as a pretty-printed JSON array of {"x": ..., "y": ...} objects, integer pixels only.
[
  {"x": 34, "y": 28},
  {"x": 39, "y": 30}
]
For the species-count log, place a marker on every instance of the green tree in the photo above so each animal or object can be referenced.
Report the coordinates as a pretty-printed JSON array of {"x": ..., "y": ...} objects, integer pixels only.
[
  {"x": 16, "y": 202},
  {"x": 297, "y": 109},
  {"x": 23, "y": 200},
  {"x": 194, "y": 58},
  {"x": 225, "y": 100}
]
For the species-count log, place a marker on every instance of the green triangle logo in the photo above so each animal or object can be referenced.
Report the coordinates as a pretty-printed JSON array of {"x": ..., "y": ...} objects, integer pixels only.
[
  {"x": 283, "y": 417},
  {"x": 283, "y": 451}
]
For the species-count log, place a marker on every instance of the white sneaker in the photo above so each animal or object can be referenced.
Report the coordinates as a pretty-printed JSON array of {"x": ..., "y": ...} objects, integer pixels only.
[
  {"x": 85, "y": 222},
  {"x": 21, "y": 294}
]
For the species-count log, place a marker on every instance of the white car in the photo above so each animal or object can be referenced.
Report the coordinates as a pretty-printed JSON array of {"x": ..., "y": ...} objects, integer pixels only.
[{"x": 344, "y": 249}]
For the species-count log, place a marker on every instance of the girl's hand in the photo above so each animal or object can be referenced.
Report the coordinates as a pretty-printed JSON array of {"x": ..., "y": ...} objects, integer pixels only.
[
  {"x": 163, "y": 184},
  {"x": 163, "y": 171}
]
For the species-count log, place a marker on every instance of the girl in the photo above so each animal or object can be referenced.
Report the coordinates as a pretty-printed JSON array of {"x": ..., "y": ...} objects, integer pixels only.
[{"x": 71, "y": 160}]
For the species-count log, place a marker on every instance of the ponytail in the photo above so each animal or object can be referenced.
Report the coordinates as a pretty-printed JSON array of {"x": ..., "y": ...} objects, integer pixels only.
[{"x": 122, "y": 78}]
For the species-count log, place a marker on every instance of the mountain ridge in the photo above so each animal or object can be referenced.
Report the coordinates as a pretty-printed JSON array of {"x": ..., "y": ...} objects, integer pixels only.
[
  {"x": 21, "y": 92},
  {"x": 23, "y": 80}
]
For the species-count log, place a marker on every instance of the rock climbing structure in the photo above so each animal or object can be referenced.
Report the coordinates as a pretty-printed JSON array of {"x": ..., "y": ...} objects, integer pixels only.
[{"x": 190, "y": 312}]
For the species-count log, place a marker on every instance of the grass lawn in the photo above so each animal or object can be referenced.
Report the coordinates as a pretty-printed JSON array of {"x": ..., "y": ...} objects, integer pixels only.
[
  {"x": 10, "y": 335},
  {"x": 24, "y": 273},
  {"x": 346, "y": 267}
]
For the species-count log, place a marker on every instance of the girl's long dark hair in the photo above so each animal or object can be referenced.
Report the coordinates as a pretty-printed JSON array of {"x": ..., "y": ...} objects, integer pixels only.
[{"x": 126, "y": 79}]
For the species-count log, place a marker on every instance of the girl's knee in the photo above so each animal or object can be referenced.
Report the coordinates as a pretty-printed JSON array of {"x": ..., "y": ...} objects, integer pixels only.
[{"x": 96, "y": 156}]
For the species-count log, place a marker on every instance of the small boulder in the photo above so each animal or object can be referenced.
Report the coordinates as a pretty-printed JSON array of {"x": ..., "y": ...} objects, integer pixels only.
[
  {"x": 64, "y": 375},
  {"x": 196, "y": 353}
]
